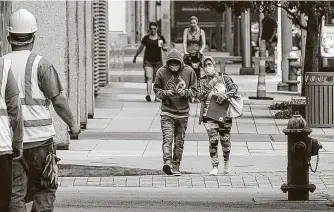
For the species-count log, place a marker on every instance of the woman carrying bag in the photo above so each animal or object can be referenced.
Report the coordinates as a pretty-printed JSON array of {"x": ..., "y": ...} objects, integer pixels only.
[{"x": 220, "y": 103}]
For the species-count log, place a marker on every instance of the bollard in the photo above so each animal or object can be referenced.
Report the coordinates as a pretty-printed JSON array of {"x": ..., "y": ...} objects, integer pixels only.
[
  {"x": 261, "y": 84},
  {"x": 300, "y": 149},
  {"x": 294, "y": 65}
]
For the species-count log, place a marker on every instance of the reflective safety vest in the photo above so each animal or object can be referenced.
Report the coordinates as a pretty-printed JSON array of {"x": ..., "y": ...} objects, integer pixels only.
[
  {"x": 5, "y": 131},
  {"x": 35, "y": 106}
]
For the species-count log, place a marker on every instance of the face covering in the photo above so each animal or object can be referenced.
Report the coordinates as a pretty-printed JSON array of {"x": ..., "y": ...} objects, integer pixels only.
[
  {"x": 210, "y": 70},
  {"x": 174, "y": 68}
]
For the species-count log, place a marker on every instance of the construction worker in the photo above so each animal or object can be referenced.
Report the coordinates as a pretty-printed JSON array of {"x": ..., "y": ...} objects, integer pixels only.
[
  {"x": 10, "y": 121},
  {"x": 35, "y": 176}
]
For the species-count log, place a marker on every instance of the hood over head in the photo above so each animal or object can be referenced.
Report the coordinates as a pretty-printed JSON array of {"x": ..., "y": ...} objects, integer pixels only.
[{"x": 174, "y": 54}]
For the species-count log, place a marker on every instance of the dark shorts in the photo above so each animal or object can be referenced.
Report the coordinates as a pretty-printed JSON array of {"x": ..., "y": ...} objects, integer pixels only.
[{"x": 155, "y": 67}]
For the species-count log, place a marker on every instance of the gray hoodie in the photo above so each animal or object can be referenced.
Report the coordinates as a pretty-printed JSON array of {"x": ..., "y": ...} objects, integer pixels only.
[{"x": 166, "y": 80}]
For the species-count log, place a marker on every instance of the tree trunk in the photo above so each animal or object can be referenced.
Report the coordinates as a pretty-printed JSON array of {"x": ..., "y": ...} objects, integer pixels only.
[{"x": 312, "y": 51}]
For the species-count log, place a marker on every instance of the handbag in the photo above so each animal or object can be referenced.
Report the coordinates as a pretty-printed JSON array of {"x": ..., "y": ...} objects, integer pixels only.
[{"x": 236, "y": 106}]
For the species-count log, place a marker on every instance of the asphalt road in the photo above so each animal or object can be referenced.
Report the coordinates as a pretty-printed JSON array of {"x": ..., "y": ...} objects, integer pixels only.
[{"x": 84, "y": 199}]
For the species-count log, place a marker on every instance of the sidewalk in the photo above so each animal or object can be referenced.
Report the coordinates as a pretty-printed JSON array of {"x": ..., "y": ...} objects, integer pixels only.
[{"x": 125, "y": 133}]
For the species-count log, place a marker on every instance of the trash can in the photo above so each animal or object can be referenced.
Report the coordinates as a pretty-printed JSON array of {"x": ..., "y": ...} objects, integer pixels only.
[{"x": 319, "y": 91}]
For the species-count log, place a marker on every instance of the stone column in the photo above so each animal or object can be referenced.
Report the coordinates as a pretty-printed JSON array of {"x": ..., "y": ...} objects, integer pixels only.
[
  {"x": 286, "y": 49},
  {"x": 56, "y": 40},
  {"x": 228, "y": 31},
  {"x": 165, "y": 21},
  {"x": 152, "y": 11},
  {"x": 246, "y": 44},
  {"x": 236, "y": 36},
  {"x": 131, "y": 21},
  {"x": 73, "y": 58},
  {"x": 138, "y": 23},
  {"x": 82, "y": 63},
  {"x": 90, "y": 98}
]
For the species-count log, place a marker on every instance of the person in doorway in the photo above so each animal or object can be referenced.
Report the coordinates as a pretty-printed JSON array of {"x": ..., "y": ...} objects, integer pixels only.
[
  {"x": 154, "y": 43},
  {"x": 175, "y": 84},
  {"x": 193, "y": 47},
  {"x": 269, "y": 30},
  {"x": 10, "y": 131},
  {"x": 35, "y": 176},
  {"x": 223, "y": 87}
]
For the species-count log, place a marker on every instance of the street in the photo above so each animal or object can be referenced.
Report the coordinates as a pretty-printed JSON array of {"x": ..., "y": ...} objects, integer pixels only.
[{"x": 82, "y": 199}]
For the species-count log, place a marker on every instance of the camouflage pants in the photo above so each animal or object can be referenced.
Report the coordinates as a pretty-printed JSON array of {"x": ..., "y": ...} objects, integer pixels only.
[
  {"x": 218, "y": 131},
  {"x": 173, "y": 129},
  {"x": 27, "y": 187}
]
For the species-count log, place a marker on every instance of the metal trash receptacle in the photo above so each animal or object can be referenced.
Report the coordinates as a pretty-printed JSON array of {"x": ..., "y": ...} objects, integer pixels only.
[{"x": 319, "y": 91}]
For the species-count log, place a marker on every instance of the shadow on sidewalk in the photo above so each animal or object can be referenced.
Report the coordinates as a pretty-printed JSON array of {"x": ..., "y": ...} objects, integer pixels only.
[{"x": 71, "y": 170}]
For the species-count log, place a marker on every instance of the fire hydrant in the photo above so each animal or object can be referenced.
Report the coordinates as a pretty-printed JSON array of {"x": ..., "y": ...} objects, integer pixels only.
[{"x": 300, "y": 149}]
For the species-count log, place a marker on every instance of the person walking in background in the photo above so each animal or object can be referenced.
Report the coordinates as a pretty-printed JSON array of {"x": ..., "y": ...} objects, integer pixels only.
[
  {"x": 223, "y": 87},
  {"x": 193, "y": 46},
  {"x": 35, "y": 176},
  {"x": 175, "y": 84},
  {"x": 268, "y": 33},
  {"x": 11, "y": 131},
  {"x": 153, "y": 44}
]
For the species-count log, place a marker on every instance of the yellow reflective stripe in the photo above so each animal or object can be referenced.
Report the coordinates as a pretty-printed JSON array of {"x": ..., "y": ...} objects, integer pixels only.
[
  {"x": 28, "y": 75},
  {"x": 37, "y": 123},
  {"x": 3, "y": 112}
]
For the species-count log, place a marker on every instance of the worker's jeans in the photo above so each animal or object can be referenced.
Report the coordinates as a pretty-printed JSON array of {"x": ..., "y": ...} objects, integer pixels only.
[
  {"x": 27, "y": 175},
  {"x": 173, "y": 129}
]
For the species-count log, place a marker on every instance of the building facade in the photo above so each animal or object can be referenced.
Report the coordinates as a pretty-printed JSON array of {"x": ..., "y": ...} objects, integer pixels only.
[{"x": 72, "y": 35}]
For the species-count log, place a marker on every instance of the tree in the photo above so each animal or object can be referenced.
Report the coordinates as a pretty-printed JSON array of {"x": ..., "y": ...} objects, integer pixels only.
[{"x": 313, "y": 10}]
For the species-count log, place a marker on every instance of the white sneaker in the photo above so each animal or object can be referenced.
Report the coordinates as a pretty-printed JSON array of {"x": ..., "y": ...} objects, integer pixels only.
[
  {"x": 214, "y": 171},
  {"x": 226, "y": 166}
]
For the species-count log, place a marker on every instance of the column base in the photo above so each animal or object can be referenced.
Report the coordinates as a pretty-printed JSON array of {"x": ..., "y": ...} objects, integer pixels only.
[
  {"x": 282, "y": 87},
  {"x": 247, "y": 71},
  {"x": 63, "y": 146}
]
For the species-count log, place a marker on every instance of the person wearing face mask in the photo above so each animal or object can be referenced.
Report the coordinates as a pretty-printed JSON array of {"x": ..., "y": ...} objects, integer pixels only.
[
  {"x": 211, "y": 83},
  {"x": 154, "y": 43},
  {"x": 175, "y": 84}
]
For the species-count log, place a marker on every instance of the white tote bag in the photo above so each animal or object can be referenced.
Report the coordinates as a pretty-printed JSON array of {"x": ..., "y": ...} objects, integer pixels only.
[{"x": 236, "y": 107}]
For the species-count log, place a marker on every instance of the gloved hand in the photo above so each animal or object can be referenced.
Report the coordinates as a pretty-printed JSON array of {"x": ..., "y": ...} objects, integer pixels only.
[
  {"x": 50, "y": 172},
  {"x": 221, "y": 98},
  {"x": 134, "y": 59},
  {"x": 75, "y": 130}
]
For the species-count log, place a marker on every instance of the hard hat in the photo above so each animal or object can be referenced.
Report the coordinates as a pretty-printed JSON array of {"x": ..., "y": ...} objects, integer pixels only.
[{"x": 22, "y": 22}]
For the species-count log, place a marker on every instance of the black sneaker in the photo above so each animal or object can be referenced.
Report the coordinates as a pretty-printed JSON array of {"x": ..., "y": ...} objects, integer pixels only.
[
  {"x": 167, "y": 169},
  {"x": 148, "y": 98}
]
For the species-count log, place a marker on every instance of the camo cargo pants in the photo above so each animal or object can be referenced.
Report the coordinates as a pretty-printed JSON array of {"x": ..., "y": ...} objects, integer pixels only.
[
  {"x": 218, "y": 131},
  {"x": 173, "y": 129},
  {"x": 27, "y": 187}
]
